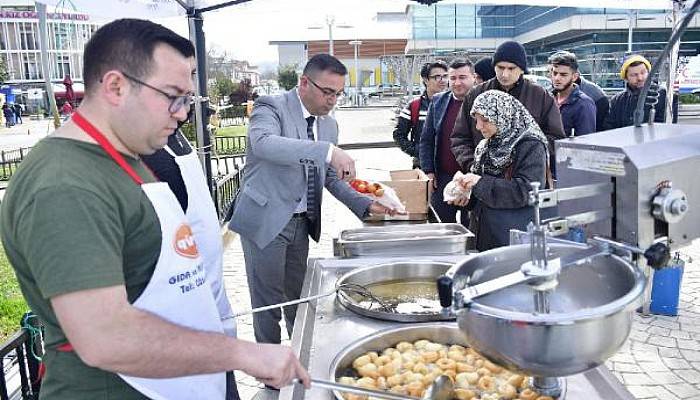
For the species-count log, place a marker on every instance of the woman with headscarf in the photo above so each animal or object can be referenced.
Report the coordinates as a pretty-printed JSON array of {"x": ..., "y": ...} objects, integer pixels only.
[{"x": 512, "y": 154}]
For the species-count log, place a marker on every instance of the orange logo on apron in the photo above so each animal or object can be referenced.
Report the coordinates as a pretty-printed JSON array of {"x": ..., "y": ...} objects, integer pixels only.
[{"x": 184, "y": 242}]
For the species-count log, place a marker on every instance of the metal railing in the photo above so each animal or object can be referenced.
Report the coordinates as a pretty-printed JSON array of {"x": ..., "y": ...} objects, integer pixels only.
[
  {"x": 229, "y": 145},
  {"x": 10, "y": 160},
  {"x": 226, "y": 190},
  {"x": 17, "y": 357}
]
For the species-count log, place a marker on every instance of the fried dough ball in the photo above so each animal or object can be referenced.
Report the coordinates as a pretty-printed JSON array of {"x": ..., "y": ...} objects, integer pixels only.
[
  {"x": 428, "y": 379},
  {"x": 410, "y": 355},
  {"x": 361, "y": 361},
  {"x": 347, "y": 380},
  {"x": 464, "y": 367},
  {"x": 408, "y": 365},
  {"x": 483, "y": 372},
  {"x": 516, "y": 380},
  {"x": 430, "y": 356},
  {"x": 386, "y": 370},
  {"x": 496, "y": 369},
  {"x": 404, "y": 346},
  {"x": 456, "y": 347},
  {"x": 420, "y": 368},
  {"x": 486, "y": 383},
  {"x": 528, "y": 394},
  {"x": 394, "y": 380},
  {"x": 367, "y": 383},
  {"x": 450, "y": 373},
  {"x": 479, "y": 363},
  {"x": 470, "y": 359},
  {"x": 381, "y": 383},
  {"x": 373, "y": 356},
  {"x": 381, "y": 360},
  {"x": 464, "y": 394},
  {"x": 430, "y": 346},
  {"x": 465, "y": 379},
  {"x": 368, "y": 370},
  {"x": 446, "y": 363},
  {"x": 351, "y": 396},
  {"x": 507, "y": 391},
  {"x": 389, "y": 351},
  {"x": 456, "y": 355},
  {"x": 545, "y": 398},
  {"x": 420, "y": 344},
  {"x": 415, "y": 389}
]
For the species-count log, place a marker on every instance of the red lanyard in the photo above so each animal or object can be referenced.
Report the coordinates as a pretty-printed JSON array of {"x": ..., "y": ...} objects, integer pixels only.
[{"x": 95, "y": 133}]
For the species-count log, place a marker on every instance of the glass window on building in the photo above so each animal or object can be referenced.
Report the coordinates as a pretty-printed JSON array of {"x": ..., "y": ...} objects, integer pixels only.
[
  {"x": 62, "y": 36},
  {"x": 467, "y": 25},
  {"x": 423, "y": 23},
  {"x": 445, "y": 20},
  {"x": 27, "y": 37},
  {"x": 31, "y": 66},
  {"x": 12, "y": 37},
  {"x": 62, "y": 66},
  {"x": 14, "y": 66}
]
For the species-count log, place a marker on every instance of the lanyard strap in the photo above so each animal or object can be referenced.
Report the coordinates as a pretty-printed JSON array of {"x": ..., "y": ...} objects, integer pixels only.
[{"x": 95, "y": 133}]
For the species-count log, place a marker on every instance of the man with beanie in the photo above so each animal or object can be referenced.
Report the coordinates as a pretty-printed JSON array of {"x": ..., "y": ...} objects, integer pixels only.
[
  {"x": 510, "y": 64},
  {"x": 409, "y": 124},
  {"x": 577, "y": 110},
  {"x": 483, "y": 70},
  {"x": 635, "y": 72}
]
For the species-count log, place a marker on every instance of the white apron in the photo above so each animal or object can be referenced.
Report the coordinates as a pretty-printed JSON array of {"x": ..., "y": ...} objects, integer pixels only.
[
  {"x": 201, "y": 214},
  {"x": 178, "y": 291}
]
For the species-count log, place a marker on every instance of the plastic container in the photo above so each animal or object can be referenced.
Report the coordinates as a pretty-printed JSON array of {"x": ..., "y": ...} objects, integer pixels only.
[{"x": 666, "y": 288}]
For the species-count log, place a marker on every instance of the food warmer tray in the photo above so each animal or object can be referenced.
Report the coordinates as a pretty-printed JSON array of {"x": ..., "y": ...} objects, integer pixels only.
[{"x": 323, "y": 328}]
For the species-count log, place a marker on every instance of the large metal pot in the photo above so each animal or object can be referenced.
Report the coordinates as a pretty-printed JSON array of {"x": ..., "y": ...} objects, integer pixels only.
[
  {"x": 590, "y": 314},
  {"x": 375, "y": 275}
]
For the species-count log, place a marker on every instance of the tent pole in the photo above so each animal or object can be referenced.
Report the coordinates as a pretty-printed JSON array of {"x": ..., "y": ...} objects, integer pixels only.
[
  {"x": 673, "y": 60},
  {"x": 45, "y": 71},
  {"x": 201, "y": 106}
]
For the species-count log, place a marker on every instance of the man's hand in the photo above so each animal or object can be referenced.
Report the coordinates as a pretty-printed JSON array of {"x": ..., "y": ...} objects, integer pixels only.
[
  {"x": 431, "y": 176},
  {"x": 343, "y": 164},
  {"x": 277, "y": 366},
  {"x": 377, "y": 209}
]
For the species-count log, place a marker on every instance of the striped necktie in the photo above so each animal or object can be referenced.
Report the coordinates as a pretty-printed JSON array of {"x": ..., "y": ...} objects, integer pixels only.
[{"x": 312, "y": 198}]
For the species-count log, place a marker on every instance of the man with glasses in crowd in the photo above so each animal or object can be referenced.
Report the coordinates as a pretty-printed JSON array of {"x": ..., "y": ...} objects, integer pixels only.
[
  {"x": 291, "y": 157},
  {"x": 436, "y": 158},
  {"x": 411, "y": 118},
  {"x": 103, "y": 252}
]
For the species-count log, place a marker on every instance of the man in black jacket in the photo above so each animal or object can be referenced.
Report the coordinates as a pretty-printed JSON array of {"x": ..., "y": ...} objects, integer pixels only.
[
  {"x": 510, "y": 64},
  {"x": 410, "y": 121},
  {"x": 635, "y": 72}
]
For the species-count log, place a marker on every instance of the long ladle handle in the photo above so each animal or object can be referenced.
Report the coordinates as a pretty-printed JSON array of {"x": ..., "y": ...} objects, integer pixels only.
[
  {"x": 356, "y": 390},
  {"x": 285, "y": 304}
]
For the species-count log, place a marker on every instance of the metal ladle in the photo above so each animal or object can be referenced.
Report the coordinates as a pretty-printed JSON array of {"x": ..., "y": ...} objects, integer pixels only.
[
  {"x": 349, "y": 287},
  {"x": 441, "y": 389}
]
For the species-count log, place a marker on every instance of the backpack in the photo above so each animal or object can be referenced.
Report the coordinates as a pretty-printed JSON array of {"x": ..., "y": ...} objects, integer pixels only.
[{"x": 414, "y": 106}]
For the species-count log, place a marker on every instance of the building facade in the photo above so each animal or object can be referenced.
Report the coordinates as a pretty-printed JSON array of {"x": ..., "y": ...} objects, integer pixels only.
[
  {"x": 68, "y": 31},
  {"x": 599, "y": 37}
]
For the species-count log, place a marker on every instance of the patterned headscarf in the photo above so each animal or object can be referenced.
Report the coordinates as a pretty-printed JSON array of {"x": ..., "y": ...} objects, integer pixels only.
[{"x": 514, "y": 123}]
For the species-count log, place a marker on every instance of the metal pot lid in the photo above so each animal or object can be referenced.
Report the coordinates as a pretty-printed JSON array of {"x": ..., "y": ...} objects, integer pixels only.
[
  {"x": 601, "y": 285},
  {"x": 406, "y": 291}
]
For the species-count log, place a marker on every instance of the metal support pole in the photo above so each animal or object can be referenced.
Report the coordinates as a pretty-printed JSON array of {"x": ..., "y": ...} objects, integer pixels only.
[
  {"x": 45, "y": 71},
  {"x": 330, "y": 21},
  {"x": 356, "y": 44},
  {"x": 630, "y": 30},
  {"x": 673, "y": 60},
  {"x": 201, "y": 106}
]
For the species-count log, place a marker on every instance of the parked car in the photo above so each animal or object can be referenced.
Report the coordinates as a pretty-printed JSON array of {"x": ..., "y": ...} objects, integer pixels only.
[{"x": 540, "y": 80}]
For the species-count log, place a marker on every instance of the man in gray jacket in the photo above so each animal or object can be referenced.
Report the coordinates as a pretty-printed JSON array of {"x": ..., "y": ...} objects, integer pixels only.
[{"x": 291, "y": 157}]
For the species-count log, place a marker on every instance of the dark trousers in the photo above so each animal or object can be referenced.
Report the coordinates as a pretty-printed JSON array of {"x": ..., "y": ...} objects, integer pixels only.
[
  {"x": 231, "y": 387},
  {"x": 275, "y": 275},
  {"x": 447, "y": 212}
]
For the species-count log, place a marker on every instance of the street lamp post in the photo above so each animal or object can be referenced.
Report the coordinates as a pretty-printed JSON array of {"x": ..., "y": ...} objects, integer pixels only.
[
  {"x": 330, "y": 22},
  {"x": 356, "y": 44}
]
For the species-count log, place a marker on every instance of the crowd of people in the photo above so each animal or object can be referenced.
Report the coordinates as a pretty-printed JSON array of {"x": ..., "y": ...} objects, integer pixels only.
[
  {"x": 12, "y": 113},
  {"x": 494, "y": 145},
  {"x": 110, "y": 228}
]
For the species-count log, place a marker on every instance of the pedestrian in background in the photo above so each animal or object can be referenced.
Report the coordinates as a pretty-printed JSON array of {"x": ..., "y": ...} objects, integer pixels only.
[
  {"x": 17, "y": 109},
  {"x": 483, "y": 70},
  {"x": 9, "y": 115},
  {"x": 578, "y": 111},
  {"x": 409, "y": 125}
]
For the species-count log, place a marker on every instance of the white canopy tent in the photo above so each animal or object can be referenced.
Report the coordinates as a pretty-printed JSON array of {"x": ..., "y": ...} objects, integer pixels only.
[{"x": 194, "y": 9}]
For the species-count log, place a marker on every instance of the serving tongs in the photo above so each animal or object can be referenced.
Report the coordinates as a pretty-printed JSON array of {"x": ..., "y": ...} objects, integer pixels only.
[
  {"x": 441, "y": 389},
  {"x": 345, "y": 287}
]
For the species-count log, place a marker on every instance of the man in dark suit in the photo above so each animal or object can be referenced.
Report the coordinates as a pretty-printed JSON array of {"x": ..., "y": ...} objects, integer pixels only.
[{"x": 291, "y": 157}]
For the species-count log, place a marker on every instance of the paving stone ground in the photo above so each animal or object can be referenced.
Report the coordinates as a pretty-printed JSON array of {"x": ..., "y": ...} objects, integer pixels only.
[{"x": 660, "y": 360}]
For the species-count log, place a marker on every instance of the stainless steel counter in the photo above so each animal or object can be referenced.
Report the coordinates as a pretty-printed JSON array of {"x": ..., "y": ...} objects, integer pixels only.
[{"x": 323, "y": 328}]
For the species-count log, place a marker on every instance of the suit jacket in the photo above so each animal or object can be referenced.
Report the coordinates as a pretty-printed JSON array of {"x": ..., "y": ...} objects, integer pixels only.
[{"x": 278, "y": 153}]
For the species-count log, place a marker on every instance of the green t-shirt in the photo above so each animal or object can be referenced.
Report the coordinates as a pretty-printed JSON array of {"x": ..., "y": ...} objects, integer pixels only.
[{"x": 72, "y": 220}]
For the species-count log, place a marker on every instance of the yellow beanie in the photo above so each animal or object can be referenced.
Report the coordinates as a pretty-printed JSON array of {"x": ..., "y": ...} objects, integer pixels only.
[{"x": 631, "y": 60}]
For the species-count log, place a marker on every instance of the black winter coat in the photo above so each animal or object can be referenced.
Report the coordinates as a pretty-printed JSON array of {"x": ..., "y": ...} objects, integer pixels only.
[{"x": 500, "y": 203}]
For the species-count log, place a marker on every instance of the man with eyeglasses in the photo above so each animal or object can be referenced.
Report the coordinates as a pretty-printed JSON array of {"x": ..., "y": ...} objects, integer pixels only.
[
  {"x": 105, "y": 255},
  {"x": 436, "y": 158},
  {"x": 291, "y": 157},
  {"x": 409, "y": 124}
]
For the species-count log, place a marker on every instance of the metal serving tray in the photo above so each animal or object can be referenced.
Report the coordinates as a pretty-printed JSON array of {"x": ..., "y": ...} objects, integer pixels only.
[
  {"x": 404, "y": 240},
  {"x": 323, "y": 328}
]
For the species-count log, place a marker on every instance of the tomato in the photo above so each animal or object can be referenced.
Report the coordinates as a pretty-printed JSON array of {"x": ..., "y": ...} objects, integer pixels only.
[{"x": 362, "y": 188}]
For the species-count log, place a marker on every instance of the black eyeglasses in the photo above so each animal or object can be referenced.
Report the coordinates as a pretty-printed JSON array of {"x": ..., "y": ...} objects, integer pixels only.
[
  {"x": 328, "y": 92},
  {"x": 440, "y": 77},
  {"x": 176, "y": 102}
]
